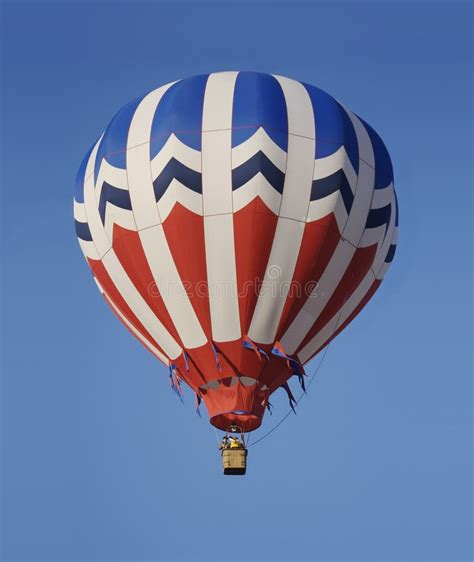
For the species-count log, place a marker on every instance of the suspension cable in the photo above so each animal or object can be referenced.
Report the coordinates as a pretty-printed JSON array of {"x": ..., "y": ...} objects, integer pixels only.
[
  {"x": 303, "y": 394},
  {"x": 290, "y": 411}
]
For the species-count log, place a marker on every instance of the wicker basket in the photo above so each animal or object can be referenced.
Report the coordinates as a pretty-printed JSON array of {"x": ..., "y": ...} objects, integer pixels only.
[{"x": 234, "y": 461}]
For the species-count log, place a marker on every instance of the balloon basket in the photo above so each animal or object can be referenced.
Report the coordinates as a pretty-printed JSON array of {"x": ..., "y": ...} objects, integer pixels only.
[{"x": 234, "y": 461}]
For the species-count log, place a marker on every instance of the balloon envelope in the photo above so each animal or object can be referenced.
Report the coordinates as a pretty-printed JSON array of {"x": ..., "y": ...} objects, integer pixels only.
[{"x": 235, "y": 223}]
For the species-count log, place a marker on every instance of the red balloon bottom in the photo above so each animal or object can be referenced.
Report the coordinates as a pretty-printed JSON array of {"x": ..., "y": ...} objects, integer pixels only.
[{"x": 233, "y": 403}]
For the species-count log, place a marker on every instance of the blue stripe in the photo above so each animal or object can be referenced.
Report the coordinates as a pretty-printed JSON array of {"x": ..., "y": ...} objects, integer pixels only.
[
  {"x": 379, "y": 217},
  {"x": 118, "y": 197},
  {"x": 258, "y": 163},
  {"x": 391, "y": 253},
  {"x": 259, "y": 102},
  {"x": 180, "y": 112},
  {"x": 383, "y": 163},
  {"x": 337, "y": 181},
  {"x": 173, "y": 170},
  {"x": 113, "y": 145},
  {"x": 333, "y": 126},
  {"x": 176, "y": 170},
  {"x": 396, "y": 207},
  {"x": 83, "y": 231},
  {"x": 81, "y": 176},
  {"x": 350, "y": 139}
]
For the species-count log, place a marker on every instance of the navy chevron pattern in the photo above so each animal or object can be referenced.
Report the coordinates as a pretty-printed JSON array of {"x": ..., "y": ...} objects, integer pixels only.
[
  {"x": 83, "y": 231},
  {"x": 118, "y": 197},
  {"x": 391, "y": 253},
  {"x": 258, "y": 163},
  {"x": 379, "y": 217},
  {"x": 242, "y": 174},
  {"x": 174, "y": 169},
  {"x": 335, "y": 182}
]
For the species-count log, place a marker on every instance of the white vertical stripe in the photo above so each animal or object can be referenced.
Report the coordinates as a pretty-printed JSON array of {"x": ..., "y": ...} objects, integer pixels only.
[
  {"x": 382, "y": 265},
  {"x": 383, "y": 270},
  {"x": 171, "y": 288},
  {"x": 292, "y": 216},
  {"x": 385, "y": 266},
  {"x": 319, "y": 297},
  {"x": 301, "y": 150},
  {"x": 298, "y": 106},
  {"x": 221, "y": 277},
  {"x": 351, "y": 237},
  {"x": 88, "y": 249},
  {"x": 217, "y": 143},
  {"x": 140, "y": 181},
  {"x": 139, "y": 307},
  {"x": 298, "y": 178},
  {"x": 395, "y": 234},
  {"x": 79, "y": 212},
  {"x": 137, "y": 334},
  {"x": 132, "y": 328},
  {"x": 365, "y": 184},
  {"x": 337, "y": 320},
  {"x": 116, "y": 272},
  {"x": 218, "y": 99},
  {"x": 152, "y": 237},
  {"x": 377, "y": 271},
  {"x": 383, "y": 249},
  {"x": 361, "y": 205},
  {"x": 99, "y": 237},
  {"x": 217, "y": 206},
  {"x": 216, "y": 172},
  {"x": 277, "y": 280},
  {"x": 366, "y": 152}
]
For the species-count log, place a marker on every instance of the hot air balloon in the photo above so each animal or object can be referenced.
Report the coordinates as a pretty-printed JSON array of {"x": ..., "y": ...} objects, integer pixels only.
[{"x": 235, "y": 223}]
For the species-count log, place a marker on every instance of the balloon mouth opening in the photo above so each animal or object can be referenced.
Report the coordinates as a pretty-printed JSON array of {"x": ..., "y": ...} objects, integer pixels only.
[{"x": 245, "y": 421}]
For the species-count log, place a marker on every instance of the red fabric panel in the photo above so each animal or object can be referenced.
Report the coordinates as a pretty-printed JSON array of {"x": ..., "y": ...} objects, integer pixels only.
[
  {"x": 276, "y": 373},
  {"x": 237, "y": 404},
  {"x": 236, "y": 359},
  {"x": 356, "y": 271},
  {"x": 373, "y": 288},
  {"x": 184, "y": 232},
  {"x": 129, "y": 251},
  {"x": 144, "y": 343},
  {"x": 320, "y": 239},
  {"x": 202, "y": 366},
  {"x": 233, "y": 359},
  {"x": 254, "y": 229},
  {"x": 113, "y": 294}
]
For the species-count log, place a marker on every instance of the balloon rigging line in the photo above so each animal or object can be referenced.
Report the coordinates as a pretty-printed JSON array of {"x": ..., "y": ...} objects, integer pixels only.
[
  {"x": 303, "y": 394},
  {"x": 290, "y": 411}
]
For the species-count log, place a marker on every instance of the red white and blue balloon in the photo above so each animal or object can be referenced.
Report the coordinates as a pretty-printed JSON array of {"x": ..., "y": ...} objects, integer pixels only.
[{"x": 235, "y": 223}]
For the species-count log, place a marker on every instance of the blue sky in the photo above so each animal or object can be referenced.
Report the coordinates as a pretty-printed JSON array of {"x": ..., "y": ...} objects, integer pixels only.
[{"x": 100, "y": 460}]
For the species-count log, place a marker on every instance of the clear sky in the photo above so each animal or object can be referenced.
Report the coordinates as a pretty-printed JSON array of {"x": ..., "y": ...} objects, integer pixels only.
[{"x": 100, "y": 459}]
